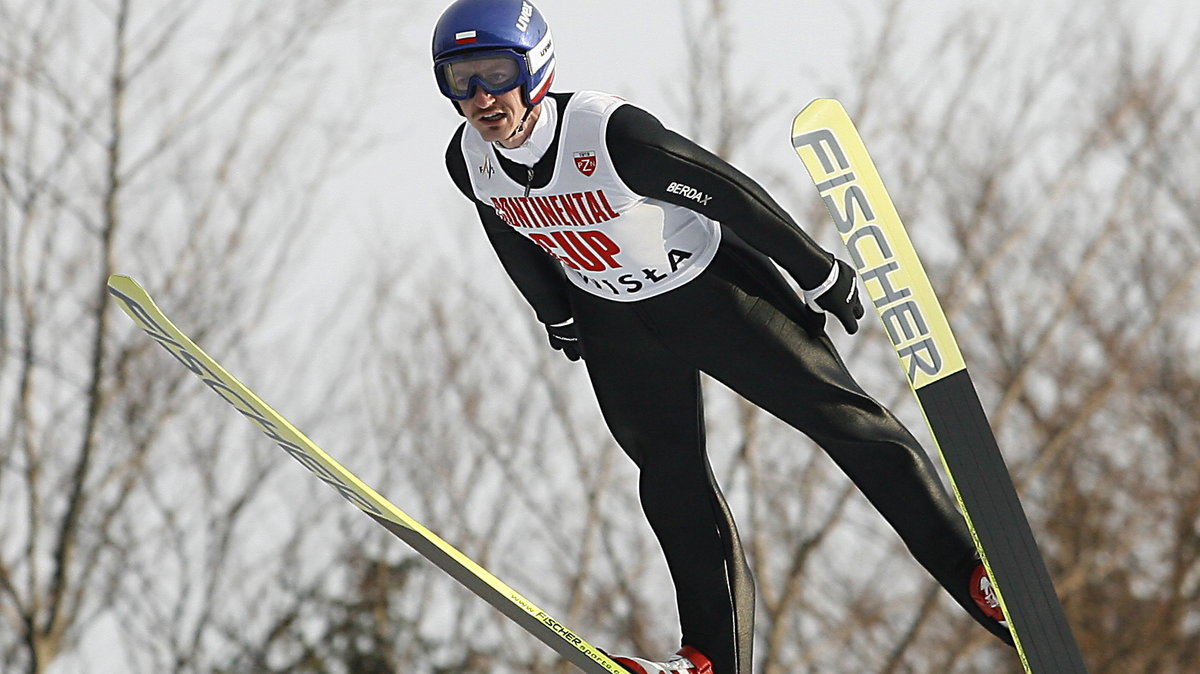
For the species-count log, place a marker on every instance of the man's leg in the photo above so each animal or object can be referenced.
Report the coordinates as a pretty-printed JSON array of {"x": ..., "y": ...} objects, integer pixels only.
[
  {"x": 651, "y": 402},
  {"x": 750, "y": 337}
]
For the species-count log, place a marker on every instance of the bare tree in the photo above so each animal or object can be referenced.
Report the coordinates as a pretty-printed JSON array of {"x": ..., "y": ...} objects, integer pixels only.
[
  {"x": 1039, "y": 176},
  {"x": 160, "y": 139},
  {"x": 1047, "y": 195}
]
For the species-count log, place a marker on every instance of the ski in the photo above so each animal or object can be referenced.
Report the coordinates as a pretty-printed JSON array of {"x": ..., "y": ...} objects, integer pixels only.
[
  {"x": 828, "y": 144},
  {"x": 137, "y": 303}
]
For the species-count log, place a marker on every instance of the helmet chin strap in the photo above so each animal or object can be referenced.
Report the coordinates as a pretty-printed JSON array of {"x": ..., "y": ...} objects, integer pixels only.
[{"x": 521, "y": 124}]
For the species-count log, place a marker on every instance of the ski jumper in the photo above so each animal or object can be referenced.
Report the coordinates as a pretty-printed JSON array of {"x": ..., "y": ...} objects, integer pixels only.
[{"x": 662, "y": 254}]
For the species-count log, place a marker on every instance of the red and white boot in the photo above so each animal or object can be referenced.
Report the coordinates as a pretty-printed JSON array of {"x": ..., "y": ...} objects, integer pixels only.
[
  {"x": 687, "y": 661},
  {"x": 985, "y": 596}
]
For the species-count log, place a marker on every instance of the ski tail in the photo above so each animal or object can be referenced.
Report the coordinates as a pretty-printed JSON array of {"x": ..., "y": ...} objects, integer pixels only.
[
  {"x": 831, "y": 149},
  {"x": 140, "y": 307}
]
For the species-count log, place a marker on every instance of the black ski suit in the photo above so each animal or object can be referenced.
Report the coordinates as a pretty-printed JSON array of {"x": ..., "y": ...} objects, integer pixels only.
[{"x": 740, "y": 323}]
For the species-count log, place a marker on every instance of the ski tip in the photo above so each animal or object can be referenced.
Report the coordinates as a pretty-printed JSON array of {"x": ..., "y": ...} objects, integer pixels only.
[
  {"x": 816, "y": 114},
  {"x": 118, "y": 280},
  {"x": 818, "y": 104},
  {"x": 122, "y": 286}
]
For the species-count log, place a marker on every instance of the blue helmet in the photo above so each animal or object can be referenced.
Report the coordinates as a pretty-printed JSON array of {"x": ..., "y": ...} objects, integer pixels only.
[{"x": 494, "y": 44}]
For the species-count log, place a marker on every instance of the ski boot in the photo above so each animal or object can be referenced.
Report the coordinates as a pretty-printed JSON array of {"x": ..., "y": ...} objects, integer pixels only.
[
  {"x": 687, "y": 661},
  {"x": 985, "y": 597}
]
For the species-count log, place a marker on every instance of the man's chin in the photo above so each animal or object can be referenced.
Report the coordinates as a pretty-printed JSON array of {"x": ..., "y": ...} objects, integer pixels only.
[{"x": 493, "y": 133}]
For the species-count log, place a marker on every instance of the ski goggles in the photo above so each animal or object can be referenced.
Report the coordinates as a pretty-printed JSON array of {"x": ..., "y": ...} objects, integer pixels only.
[{"x": 495, "y": 71}]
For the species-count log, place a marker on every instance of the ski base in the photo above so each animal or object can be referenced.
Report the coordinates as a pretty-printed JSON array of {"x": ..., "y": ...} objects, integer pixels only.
[{"x": 828, "y": 144}]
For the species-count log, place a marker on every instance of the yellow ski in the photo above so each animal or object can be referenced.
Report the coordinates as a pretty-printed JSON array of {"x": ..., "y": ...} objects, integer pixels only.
[
  {"x": 830, "y": 148},
  {"x": 134, "y": 300}
]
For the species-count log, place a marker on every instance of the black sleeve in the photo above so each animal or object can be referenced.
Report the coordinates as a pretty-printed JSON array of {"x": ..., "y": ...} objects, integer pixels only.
[
  {"x": 537, "y": 276},
  {"x": 661, "y": 164}
]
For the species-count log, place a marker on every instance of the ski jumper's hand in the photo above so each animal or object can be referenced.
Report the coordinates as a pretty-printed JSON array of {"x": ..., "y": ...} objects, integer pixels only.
[
  {"x": 564, "y": 337},
  {"x": 838, "y": 295}
]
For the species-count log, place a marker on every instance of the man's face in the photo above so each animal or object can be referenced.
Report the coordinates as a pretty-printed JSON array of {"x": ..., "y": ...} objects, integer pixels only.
[{"x": 494, "y": 116}]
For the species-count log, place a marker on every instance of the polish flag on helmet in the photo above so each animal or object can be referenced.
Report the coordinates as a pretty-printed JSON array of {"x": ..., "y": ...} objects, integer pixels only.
[{"x": 465, "y": 37}]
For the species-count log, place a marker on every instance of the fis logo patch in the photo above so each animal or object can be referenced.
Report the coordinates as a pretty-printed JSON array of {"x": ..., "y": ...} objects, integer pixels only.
[
  {"x": 486, "y": 168},
  {"x": 586, "y": 162}
]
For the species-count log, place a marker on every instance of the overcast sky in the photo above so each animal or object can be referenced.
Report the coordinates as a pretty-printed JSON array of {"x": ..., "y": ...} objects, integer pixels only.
[{"x": 632, "y": 48}]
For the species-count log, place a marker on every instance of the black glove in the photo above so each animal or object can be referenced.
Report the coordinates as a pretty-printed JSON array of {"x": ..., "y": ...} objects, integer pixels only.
[
  {"x": 839, "y": 296},
  {"x": 563, "y": 337}
]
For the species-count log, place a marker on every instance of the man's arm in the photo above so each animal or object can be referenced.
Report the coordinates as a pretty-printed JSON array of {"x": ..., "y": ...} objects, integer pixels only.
[
  {"x": 661, "y": 164},
  {"x": 537, "y": 276}
]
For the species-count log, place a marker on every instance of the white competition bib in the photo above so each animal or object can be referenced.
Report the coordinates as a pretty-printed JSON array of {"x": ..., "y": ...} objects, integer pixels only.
[{"x": 612, "y": 242}]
